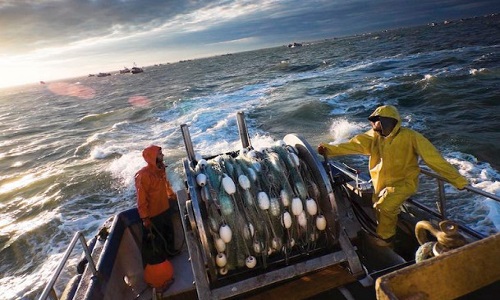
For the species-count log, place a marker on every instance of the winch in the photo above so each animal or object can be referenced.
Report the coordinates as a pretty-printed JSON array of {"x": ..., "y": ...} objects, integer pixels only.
[{"x": 256, "y": 218}]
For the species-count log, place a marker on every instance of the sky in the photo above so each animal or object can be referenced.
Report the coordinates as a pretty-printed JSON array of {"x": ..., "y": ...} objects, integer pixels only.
[{"x": 44, "y": 40}]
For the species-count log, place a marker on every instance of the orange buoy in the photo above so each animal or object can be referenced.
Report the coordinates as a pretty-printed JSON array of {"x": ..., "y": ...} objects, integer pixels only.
[{"x": 159, "y": 275}]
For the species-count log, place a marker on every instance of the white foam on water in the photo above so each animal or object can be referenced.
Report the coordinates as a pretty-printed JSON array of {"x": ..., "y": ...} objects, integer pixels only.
[
  {"x": 342, "y": 130},
  {"x": 482, "y": 176},
  {"x": 212, "y": 127},
  {"x": 474, "y": 71},
  {"x": 101, "y": 152},
  {"x": 261, "y": 141},
  {"x": 16, "y": 287},
  {"x": 417, "y": 123},
  {"x": 14, "y": 207},
  {"x": 494, "y": 207},
  {"x": 15, "y": 229},
  {"x": 13, "y": 286},
  {"x": 124, "y": 168}
]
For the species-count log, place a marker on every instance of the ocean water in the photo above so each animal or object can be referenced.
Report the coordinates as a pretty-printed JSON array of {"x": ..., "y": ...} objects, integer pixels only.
[{"x": 69, "y": 149}]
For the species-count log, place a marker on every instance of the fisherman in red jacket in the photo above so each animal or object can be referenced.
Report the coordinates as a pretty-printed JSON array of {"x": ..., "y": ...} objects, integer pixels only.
[{"x": 154, "y": 193}]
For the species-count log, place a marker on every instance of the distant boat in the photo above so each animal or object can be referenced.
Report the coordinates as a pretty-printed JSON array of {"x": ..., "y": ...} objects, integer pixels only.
[
  {"x": 103, "y": 74},
  {"x": 293, "y": 45},
  {"x": 136, "y": 70},
  {"x": 42, "y": 82},
  {"x": 125, "y": 70}
]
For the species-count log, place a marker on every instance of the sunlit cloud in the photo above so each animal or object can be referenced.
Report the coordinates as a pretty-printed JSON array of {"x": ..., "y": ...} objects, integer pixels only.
[
  {"x": 210, "y": 16},
  {"x": 54, "y": 39},
  {"x": 243, "y": 41}
]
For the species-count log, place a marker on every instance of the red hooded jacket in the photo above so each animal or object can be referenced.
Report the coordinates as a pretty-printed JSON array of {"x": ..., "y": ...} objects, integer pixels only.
[{"x": 153, "y": 188}]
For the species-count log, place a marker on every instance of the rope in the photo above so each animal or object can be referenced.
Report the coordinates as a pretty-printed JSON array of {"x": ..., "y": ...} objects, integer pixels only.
[{"x": 176, "y": 252}]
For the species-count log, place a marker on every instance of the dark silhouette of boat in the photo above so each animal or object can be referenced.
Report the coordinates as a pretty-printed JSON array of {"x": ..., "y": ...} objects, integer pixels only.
[
  {"x": 294, "y": 45},
  {"x": 103, "y": 74},
  {"x": 136, "y": 70}
]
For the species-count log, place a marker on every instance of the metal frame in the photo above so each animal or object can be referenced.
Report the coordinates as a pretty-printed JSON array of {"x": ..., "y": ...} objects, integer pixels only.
[
  {"x": 49, "y": 288},
  {"x": 441, "y": 203},
  {"x": 467, "y": 187},
  {"x": 199, "y": 262},
  {"x": 196, "y": 235}
]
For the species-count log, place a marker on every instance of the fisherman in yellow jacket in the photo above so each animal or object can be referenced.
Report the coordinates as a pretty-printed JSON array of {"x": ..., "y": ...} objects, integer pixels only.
[{"x": 394, "y": 153}]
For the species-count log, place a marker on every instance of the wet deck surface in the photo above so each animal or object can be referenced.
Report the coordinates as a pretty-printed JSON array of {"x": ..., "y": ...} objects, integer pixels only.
[
  {"x": 183, "y": 286},
  {"x": 315, "y": 285},
  {"x": 311, "y": 286},
  {"x": 319, "y": 285}
]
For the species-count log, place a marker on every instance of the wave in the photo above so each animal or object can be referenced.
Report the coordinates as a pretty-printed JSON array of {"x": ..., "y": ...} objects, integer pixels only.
[{"x": 95, "y": 117}]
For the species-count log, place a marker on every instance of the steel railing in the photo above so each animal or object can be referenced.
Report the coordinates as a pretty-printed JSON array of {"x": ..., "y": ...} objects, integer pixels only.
[
  {"x": 49, "y": 288},
  {"x": 364, "y": 184},
  {"x": 468, "y": 187},
  {"x": 441, "y": 203}
]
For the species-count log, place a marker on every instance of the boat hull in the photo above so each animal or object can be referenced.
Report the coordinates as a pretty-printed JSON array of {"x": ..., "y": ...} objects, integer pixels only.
[{"x": 451, "y": 275}]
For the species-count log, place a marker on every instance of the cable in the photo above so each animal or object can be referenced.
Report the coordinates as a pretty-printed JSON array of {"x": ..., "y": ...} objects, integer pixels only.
[{"x": 176, "y": 252}]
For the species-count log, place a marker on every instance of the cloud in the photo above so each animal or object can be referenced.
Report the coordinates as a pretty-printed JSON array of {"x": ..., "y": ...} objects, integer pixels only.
[
  {"x": 34, "y": 24},
  {"x": 57, "y": 36}
]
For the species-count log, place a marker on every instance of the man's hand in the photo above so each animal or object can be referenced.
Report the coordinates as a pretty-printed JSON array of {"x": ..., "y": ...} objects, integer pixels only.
[
  {"x": 146, "y": 222},
  {"x": 321, "y": 149}
]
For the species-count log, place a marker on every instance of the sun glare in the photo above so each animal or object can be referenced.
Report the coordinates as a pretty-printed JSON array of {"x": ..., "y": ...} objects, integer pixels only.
[
  {"x": 40, "y": 65},
  {"x": 13, "y": 76},
  {"x": 69, "y": 89},
  {"x": 19, "y": 70}
]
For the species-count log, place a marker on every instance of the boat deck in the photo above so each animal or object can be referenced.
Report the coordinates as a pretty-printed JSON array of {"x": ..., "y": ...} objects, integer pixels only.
[{"x": 315, "y": 285}]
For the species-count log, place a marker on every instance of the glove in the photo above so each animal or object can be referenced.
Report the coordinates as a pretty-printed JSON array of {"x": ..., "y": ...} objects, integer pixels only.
[
  {"x": 461, "y": 187},
  {"x": 321, "y": 149},
  {"x": 381, "y": 197},
  {"x": 146, "y": 222}
]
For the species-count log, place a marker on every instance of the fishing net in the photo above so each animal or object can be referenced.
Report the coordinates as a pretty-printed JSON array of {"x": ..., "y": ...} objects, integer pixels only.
[{"x": 262, "y": 205}]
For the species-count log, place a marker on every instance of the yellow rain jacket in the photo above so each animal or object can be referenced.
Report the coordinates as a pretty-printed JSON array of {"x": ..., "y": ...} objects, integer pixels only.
[
  {"x": 394, "y": 166},
  {"x": 153, "y": 188}
]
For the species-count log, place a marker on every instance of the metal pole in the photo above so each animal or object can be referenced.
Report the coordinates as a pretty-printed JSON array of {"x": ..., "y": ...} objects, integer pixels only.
[
  {"x": 442, "y": 199},
  {"x": 467, "y": 187},
  {"x": 88, "y": 255},
  {"x": 482, "y": 193},
  {"x": 52, "y": 281},
  {"x": 242, "y": 128},
  {"x": 188, "y": 143}
]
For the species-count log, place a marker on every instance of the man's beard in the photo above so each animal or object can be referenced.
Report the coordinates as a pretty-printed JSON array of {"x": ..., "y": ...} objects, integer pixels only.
[{"x": 160, "y": 164}]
